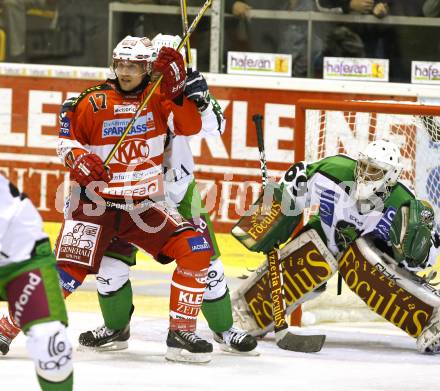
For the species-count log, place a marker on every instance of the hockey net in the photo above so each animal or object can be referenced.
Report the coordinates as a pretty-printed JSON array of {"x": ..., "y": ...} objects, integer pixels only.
[{"x": 327, "y": 128}]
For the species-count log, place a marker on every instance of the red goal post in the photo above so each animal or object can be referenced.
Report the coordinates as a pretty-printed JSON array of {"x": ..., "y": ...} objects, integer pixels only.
[{"x": 328, "y": 127}]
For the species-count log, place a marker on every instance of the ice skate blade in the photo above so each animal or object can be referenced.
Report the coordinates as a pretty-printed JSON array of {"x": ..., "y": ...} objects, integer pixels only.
[
  {"x": 301, "y": 343},
  {"x": 228, "y": 349},
  {"x": 182, "y": 355},
  {"x": 108, "y": 347}
]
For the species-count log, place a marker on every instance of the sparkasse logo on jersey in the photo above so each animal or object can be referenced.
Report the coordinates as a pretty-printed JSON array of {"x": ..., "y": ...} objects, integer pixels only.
[{"x": 116, "y": 127}]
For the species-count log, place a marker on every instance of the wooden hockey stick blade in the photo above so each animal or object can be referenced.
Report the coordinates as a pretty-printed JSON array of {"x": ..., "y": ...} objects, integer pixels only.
[{"x": 301, "y": 343}]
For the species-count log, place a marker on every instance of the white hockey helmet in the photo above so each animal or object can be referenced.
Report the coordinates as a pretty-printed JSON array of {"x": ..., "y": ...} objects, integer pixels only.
[
  {"x": 135, "y": 49},
  {"x": 170, "y": 41},
  {"x": 378, "y": 168}
]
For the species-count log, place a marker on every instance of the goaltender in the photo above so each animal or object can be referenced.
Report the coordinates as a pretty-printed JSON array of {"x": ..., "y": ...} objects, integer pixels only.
[{"x": 369, "y": 227}]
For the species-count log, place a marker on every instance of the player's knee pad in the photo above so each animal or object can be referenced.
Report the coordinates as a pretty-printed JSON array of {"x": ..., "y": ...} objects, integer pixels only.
[
  {"x": 429, "y": 339},
  {"x": 112, "y": 275},
  {"x": 216, "y": 286},
  {"x": 51, "y": 350}
]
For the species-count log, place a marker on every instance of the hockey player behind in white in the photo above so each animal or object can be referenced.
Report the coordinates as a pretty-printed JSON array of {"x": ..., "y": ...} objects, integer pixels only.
[
  {"x": 368, "y": 220},
  {"x": 29, "y": 283},
  {"x": 182, "y": 193}
]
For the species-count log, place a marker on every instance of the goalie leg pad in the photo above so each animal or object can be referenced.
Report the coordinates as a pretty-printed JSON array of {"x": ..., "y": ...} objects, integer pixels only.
[
  {"x": 307, "y": 265},
  {"x": 399, "y": 296},
  {"x": 429, "y": 339}
]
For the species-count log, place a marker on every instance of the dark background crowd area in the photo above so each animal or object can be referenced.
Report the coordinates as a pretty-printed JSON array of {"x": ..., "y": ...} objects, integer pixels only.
[{"x": 75, "y": 32}]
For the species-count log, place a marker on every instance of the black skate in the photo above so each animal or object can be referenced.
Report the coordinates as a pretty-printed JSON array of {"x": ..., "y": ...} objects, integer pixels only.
[
  {"x": 187, "y": 346},
  {"x": 237, "y": 341},
  {"x": 103, "y": 339}
]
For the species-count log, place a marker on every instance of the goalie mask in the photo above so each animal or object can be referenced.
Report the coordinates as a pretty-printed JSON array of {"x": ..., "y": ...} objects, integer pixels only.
[
  {"x": 377, "y": 169},
  {"x": 133, "y": 56}
]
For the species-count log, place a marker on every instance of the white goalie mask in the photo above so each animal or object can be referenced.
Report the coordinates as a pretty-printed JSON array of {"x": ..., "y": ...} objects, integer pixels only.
[
  {"x": 132, "y": 51},
  {"x": 377, "y": 169}
]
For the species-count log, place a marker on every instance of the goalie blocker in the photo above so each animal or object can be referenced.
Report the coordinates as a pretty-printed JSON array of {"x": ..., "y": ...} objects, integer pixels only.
[
  {"x": 307, "y": 265},
  {"x": 399, "y": 296},
  {"x": 270, "y": 221}
]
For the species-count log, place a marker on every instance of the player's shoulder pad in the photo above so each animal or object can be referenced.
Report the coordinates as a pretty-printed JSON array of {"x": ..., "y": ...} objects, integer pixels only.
[
  {"x": 71, "y": 104},
  {"x": 338, "y": 168},
  {"x": 399, "y": 195}
]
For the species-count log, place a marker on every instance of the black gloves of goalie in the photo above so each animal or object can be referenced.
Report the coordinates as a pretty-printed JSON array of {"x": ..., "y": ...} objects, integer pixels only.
[{"x": 196, "y": 89}]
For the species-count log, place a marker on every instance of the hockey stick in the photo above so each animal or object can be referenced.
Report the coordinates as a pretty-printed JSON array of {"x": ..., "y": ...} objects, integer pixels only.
[
  {"x": 284, "y": 339},
  {"x": 144, "y": 103},
  {"x": 184, "y": 15}
]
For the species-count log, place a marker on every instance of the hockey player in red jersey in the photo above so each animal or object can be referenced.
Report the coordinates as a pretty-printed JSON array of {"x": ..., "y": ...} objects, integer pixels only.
[
  {"x": 181, "y": 190},
  {"x": 120, "y": 200},
  {"x": 125, "y": 202}
]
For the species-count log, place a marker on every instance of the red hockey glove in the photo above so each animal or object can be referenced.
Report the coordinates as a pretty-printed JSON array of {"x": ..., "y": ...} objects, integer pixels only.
[
  {"x": 88, "y": 168},
  {"x": 170, "y": 64}
]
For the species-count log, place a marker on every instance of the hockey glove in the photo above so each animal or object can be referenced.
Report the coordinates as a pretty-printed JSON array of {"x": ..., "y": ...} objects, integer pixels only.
[
  {"x": 170, "y": 64},
  {"x": 196, "y": 89},
  {"x": 410, "y": 234},
  {"x": 88, "y": 168}
]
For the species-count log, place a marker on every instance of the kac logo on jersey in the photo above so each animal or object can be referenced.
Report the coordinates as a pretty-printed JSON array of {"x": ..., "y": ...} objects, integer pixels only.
[
  {"x": 115, "y": 127},
  {"x": 132, "y": 152},
  {"x": 199, "y": 243},
  {"x": 65, "y": 127}
]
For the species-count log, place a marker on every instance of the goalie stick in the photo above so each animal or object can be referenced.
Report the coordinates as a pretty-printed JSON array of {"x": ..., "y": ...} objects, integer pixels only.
[
  {"x": 141, "y": 107},
  {"x": 283, "y": 337}
]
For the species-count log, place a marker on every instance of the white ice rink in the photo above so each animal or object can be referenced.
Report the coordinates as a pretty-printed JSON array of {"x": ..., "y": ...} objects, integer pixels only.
[{"x": 368, "y": 356}]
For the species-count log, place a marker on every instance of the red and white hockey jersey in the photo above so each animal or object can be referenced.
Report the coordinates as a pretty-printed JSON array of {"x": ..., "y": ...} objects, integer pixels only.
[{"x": 95, "y": 120}]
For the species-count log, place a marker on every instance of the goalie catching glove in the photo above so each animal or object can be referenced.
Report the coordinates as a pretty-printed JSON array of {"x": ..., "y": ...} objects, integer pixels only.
[{"x": 410, "y": 234}]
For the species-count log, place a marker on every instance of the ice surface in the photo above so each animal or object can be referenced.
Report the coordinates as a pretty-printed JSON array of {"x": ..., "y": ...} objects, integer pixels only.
[{"x": 356, "y": 357}]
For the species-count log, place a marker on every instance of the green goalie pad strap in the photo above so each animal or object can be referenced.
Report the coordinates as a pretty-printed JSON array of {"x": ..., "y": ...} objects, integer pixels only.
[
  {"x": 116, "y": 307},
  {"x": 397, "y": 295},
  {"x": 218, "y": 313},
  {"x": 410, "y": 233},
  {"x": 65, "y": 385},
  {"x": 269, "y": 222}
]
